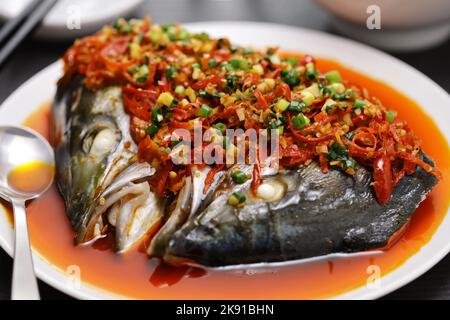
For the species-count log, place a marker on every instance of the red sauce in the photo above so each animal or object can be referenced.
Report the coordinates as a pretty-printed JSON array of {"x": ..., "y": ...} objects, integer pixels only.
[{"x": 135, "y": 276}]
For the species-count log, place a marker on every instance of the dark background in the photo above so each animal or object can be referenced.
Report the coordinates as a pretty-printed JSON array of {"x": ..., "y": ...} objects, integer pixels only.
[{"x": 34, "y": 55}]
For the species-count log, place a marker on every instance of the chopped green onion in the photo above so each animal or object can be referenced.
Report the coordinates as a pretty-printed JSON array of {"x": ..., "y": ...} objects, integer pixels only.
[
  {"x": 174, "y": 103},
  {"x": 203, "y": 94},
  {"x": 390, "y": 116},
  {"x": 328, "y": 105},
  {"x": 349, "y": 135},
  {"x": 180, "y": 90},
  {"x": 152, "y": 129},
  {"x": 236, "y": 198},
  {"x": 239, "y": 177},
  {"x": 157, "y": 115},
  {"x": 300, "y": 121},
  {"x": 332, "y": 155},
  {"x": 333, "y": 77},
  {"x": 205, "y": 111},
  {"x": 170, "y": 71},
  {"x": 359, "y": 104},
  {"x": 274, "y": 123},
  {"x": 292, "y": 61},
  {"x": 234, "y": 63},
  {"x": 231, "y": 82},
  {"x": 123, "y": 26},
  {"x": 141, "y": 75},
  {"x": 183, "y": 35},
  {"x": 222, "y": 127},
  {"x": 297, "y": 106},
  {"x": 258, "y": 69},
  {"x": 339, "y": 96},
  {"x": 349, "y": 94},
  {"x": 282, "y": 105},
  {"x": 349, "y": 164},
  {"x": 291, "y": 77},
  {"x": 244, "y": 64},
  {"x": 339, "y": 149},
  {"x": 307, "y": 97},
  {"x": 311, "y": 72},
  {"x": 280, "y": 130},
  {"x": 212, "y": 63}
]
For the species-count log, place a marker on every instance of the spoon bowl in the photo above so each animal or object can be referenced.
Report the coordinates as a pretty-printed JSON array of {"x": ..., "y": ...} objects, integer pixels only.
[
  {"x": 26, "y": 172},
  {"x": 19, "y": 147}
]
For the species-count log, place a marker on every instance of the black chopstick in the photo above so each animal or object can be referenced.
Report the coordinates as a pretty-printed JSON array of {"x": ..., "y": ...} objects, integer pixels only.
[
  {"x": 13, "y": 23},
  {"x": 34, "y": 18}
]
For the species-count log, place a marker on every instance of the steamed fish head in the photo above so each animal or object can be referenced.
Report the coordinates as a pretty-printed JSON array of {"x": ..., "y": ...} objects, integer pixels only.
[{"x": 98, "y": 171}]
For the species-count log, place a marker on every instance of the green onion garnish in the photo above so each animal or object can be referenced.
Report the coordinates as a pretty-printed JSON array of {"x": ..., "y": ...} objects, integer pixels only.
[
  {"x": 292, "y": 61},
  {"x": 311, "y": 72},
  {"x": 212, "y": 63},
  {"x": 300, "y": 121},
  {"x": 157, "y": 115},
  {"x": 349, "y": 163},
  {"x": 234, "y": 63},
  {"x": 170, "y": 71},
  {"x": 339, "y": 149},
  {"x": 359, "y": 104},
  {"x": 152, "y": 129},
  {"x": 349, "y": 135},
  {"x": 297, "y": 106},
  {"x": 236, "y": 198},
  {"x": 205, "y": 111},
  {"x": 203, "y": 94},
  {"x": 282, "y": 105},
  {"x": 291, "y": 77},
  {"x": 239, "y": 177},
  {"x": 333, "y": 77},
  {"x": 390, "y": 116},
  {"x": 222, "y": 127}
]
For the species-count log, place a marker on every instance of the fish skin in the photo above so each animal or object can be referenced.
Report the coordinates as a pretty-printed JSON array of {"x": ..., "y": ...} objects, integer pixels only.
[
  {"x": 328, "y": 213},
  {"x": 81, "y": 177}
]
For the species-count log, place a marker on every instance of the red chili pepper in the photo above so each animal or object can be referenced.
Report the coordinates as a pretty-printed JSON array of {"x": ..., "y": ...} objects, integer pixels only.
[
  {"x": 161, "y": 178},
  {"x": 210, "y": 176},
  {"x": 283, "y": 90},
  {"x": 382, "y": 175},
  {"x": 306, "y": 139},
  {"x": 214, "y": 79},
  {"x": 139, "y": 102},
  {"x": 261, "y": 100},
  {"x": 323, "y": 162},
  {"x": 307, "y": 59},
  {"x": 257, "y": 180}
]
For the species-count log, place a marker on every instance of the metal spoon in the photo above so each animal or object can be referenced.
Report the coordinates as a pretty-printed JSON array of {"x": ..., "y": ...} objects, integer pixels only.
[{"x": 19, "y": 146}]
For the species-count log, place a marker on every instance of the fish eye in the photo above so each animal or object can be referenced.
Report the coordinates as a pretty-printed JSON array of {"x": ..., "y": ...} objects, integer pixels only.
[{"x": 101, "y": 141}]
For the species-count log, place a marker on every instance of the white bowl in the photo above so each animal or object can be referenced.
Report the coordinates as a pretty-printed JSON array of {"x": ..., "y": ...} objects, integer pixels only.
[{"x": 405, "y": 24}]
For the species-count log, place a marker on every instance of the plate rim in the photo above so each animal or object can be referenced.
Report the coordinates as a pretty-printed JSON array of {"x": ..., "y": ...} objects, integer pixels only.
[{"x": 90, "y": 291}]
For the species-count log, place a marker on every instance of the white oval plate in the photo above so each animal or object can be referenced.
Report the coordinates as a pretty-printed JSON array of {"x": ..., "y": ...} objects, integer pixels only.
[
  {"x": 359, "y": 57},
  {"x": 62, "y": 20}
]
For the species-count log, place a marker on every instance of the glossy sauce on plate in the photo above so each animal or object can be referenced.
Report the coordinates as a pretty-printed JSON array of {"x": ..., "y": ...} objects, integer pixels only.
[{"x": 135, "y": 276}]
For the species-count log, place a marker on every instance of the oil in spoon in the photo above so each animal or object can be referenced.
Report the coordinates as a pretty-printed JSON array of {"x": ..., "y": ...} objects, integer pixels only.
[{"x": 31, "y": 177}]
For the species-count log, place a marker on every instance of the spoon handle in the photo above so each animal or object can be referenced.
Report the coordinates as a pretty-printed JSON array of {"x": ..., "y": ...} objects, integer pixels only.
[{"x": 24, "y": 283}]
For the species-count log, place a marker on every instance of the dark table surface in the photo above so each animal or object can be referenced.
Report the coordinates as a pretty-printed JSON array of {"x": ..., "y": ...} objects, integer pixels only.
[{"x": 34, "y": 55}]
